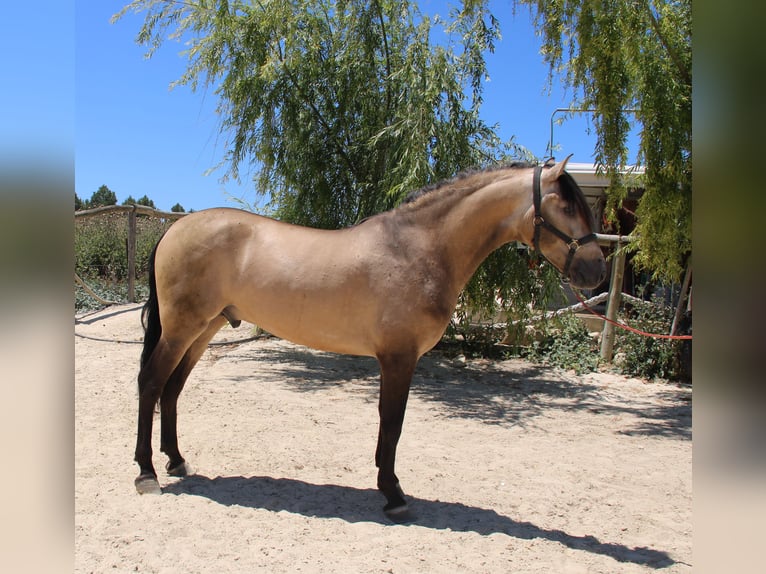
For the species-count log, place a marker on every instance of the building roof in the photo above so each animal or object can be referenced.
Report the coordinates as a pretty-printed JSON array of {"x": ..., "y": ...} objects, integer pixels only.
[{"x": 593, "y": 184}]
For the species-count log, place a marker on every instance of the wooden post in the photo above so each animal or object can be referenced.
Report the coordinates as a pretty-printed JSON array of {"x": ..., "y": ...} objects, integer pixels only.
[
  {"x": 681, "y": 299},
  {"x": 132, "y": 255},
  {"x": 613, "y": 303}
]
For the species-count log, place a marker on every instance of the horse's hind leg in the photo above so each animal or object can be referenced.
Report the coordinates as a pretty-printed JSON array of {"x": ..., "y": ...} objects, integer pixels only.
[
  {"x": 176, "y": 465},
  {"x": 152, "y": 380},
  {"x": 396, "y": 375}
]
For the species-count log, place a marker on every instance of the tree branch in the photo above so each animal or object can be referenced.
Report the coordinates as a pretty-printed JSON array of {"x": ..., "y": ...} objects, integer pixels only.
[
  {"x": 384, "y": 34},
  {"x": 321, "y": 119},
  {"x": 665, "y": 44}
]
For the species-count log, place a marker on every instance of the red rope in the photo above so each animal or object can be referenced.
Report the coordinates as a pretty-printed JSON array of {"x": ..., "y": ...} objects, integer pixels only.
[{"x": 628, "y": 327}]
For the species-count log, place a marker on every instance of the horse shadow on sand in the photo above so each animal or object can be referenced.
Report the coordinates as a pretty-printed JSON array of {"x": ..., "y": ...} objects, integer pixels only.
[
  {"x": 492, "y": 393},
  {"x": 356, "y": 505}
]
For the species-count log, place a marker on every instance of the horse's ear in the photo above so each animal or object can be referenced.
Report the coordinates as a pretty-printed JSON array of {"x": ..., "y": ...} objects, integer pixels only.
[{"x": 558, "y": 169}]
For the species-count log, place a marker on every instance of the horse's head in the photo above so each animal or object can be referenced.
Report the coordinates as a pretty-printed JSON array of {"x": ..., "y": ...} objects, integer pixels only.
[{"x": 563, "y": 227}]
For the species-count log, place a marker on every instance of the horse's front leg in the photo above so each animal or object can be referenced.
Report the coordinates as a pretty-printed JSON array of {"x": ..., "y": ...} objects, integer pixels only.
[{"x": 396, "y": 375}]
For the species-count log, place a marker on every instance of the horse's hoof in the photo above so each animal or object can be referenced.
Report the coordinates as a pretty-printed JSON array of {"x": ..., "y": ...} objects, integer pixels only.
[
  {"x": 147, "y": 484},
  {"x": 399, "y": 514},
  {"x": 181, "y": 469}
]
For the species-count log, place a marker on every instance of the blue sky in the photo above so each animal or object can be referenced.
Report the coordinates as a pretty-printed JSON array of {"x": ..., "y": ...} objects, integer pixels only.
[
  {"x": 37, "y": 87},
  {"x": 135, "y": 135}
]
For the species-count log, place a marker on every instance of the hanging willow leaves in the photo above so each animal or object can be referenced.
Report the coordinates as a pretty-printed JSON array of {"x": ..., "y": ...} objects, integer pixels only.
[
  {"x": 338, "y": 109},
  {"x": 622, "y": 55}
]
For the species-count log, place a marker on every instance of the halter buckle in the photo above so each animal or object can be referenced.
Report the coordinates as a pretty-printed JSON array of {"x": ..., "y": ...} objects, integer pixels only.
[{"x": 574, "y": 245}]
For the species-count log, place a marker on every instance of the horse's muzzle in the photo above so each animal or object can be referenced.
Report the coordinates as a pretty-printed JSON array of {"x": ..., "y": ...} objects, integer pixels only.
[{"x": 587, "y": 273}]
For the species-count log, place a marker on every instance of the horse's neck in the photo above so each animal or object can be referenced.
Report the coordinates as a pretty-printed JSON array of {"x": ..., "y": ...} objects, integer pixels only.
[{"x": 481, "y": 221}]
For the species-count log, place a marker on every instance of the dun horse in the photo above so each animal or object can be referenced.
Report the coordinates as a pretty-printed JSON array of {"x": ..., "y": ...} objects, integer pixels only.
[{"x": 384, "y": 288}]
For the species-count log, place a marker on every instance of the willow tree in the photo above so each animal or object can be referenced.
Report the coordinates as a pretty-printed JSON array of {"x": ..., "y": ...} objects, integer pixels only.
[
  {"x": 633, "y": 55},
  {"x": 339, "y": 108},
  {"x": 336, "y": 108}
]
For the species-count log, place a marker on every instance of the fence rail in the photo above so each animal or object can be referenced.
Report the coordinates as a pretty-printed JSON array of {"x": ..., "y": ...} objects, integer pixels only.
[{"x": 136, "y": 209}]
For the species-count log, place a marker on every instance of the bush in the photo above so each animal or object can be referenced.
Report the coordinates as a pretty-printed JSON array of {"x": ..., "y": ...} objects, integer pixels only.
[
  {"x": 564, "y": 342},
  {"x": 649, "y": 357},
  {"x": 101, "y": 255},
  {"x": 101, "y": 244},
  {"x": 100, "y": 247},
  {"x": 567, "y": 345}
]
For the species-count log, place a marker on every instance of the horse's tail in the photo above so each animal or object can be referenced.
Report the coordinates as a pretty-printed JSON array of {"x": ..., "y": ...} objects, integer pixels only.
[{"x": 150, "y": 314}]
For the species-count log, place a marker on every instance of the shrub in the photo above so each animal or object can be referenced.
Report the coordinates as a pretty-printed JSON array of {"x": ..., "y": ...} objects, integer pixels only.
[
  {"x": 644, "y": 356},
  {"x": 101, "y": 244},
  {"x": 100, "y": 247},
  {"x": 101, "y": 255},
  {"x": 566, "y": 344}
]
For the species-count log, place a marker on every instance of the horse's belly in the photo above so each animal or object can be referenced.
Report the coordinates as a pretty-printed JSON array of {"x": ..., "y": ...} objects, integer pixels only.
[{"x": 338, "y": 330}]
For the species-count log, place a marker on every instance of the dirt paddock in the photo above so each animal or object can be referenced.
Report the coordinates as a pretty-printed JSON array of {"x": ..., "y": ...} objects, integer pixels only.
[{"x": 509, "y": 467}]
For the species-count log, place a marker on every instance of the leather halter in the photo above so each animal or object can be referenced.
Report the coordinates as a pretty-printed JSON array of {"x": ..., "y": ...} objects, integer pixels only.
[{"x": 573, "y": 244}]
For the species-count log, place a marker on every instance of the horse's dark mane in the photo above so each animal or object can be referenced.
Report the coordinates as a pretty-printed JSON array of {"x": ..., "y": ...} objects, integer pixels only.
[
  {"x": 570, "y": 191},
  {"x": 463, "y": 175}
]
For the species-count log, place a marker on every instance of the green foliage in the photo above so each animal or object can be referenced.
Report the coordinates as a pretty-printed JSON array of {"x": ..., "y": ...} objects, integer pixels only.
[
  {"x": 634, "y": 55},
  {"x": 511, "y": 284},
  {"x": 646, "y": 356},
  {"x": 101, "y": 257},
  {"x": 565, "y": 342},
  {"x": 567, "y": 345},
  {"x": 101, "y": 245},
  {"x": 178, "y": 208},
  {"x": 142, "y": 201},
  {"x": 104, "y": 196},
  {"x": 101, "y": 197},
  {"x": 338, "y": 107}
]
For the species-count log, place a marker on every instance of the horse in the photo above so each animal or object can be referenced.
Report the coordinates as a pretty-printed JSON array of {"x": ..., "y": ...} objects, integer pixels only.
[{"x": 385, "y": 287}]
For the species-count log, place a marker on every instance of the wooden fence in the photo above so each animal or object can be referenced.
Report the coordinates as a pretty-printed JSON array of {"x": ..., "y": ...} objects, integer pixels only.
[
  {"x": 133, "y": 211},
  {"x": 615, "y": 294},
  {"x": 615, "y": 289}
]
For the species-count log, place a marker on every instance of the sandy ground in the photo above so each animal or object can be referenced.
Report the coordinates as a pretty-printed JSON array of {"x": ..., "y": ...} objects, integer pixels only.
[{"x": 509, "y": 467}]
